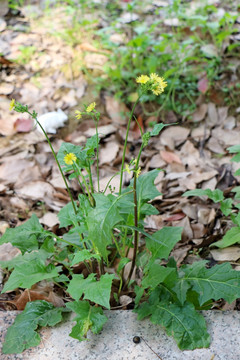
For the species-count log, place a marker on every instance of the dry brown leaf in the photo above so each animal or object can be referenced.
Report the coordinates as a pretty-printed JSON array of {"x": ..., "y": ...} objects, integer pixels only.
[
  {"x": 116, "y": 110},
  {"x": 11, "y": 170},
  {"x": 103, "y": 131},
  {"x": 215, "y": 146},
  {"x": 156, "y": 162},
  {"x": 36, "y": 190},
  {"x": 174, "y": 136},
  {"x": 49, "y": 219},
  {"x": 226, "y": 137},
  {"x": 200, "y": 113},
  {"x": 180, "y": 253},
  {"x": 170, "y": 157},
  {"x": 26, "y": 296},
  {"x": 8, "y": 252},
  {"x": 136, "y": 131},
  {"x": 206, "y": 216},
  {"x": 124, "y": 300},
  {"x": 227, "y": 254},
  {"x": 23, "y": 125},
  {"x": 199, "y": 230},
  {"x": 108, "y": 153},
  {"x": 175, "y": 217}
]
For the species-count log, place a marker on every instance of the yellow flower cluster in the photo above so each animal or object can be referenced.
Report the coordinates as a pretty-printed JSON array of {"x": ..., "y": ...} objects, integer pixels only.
[
  {"x": 138, "y": 172},
  {"x": 12, "y": 104},
  {"x": 70, "y": 158},
  {"x": 78, "y": 114},
  {"x": 155, "y": 82},
  {"x": 90, "y": 107},
  {"x": 143, "y": 79}
]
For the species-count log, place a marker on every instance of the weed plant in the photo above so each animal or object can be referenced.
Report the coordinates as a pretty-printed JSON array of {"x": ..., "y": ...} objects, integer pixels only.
[{"x": 101, "y": 229}]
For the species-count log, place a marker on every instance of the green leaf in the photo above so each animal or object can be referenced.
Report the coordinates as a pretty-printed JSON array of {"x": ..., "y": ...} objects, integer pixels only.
[
  {"x": 226, "y": 206},
  {"x": 215, "y": 195},
  {"x": 146, "y": 190},
  {"x": 30, "y": 270},
  {"x": 231, "y": 237},
  {"x": 220, "y": 281},
  {"x": 91, "y": 145},
  {"x": 184, "y": 323},
  {"x": 101, "y": 220},
  {"x": 67, "y": 215},
  {"x": 22, "y": 335},
  {"x": 156, "y": 275},
  {"x": 163, "y": 242},
  {"x": 235, "y": 149},
  {"x": 93, "y": 290},
  {"x": 122, "y": 263},
  {"x": 148, "y": 209},
  {"x": 84, "y": 255},
  {"x": 88, "y": 318},
  {"x": 157, "y": 128},
  {"x": 26, "y": 236},
  {"x": 67, "y": 148}
]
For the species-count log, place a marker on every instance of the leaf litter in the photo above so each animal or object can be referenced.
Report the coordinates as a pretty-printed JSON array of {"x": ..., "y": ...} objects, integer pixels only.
[{"x": 30, "y": 182}]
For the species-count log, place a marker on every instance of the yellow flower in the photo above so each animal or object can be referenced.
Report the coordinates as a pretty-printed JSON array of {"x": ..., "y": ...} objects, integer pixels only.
[
  {"x": 70, "y": 158},
  {"x": 12, "y": 104},
  {"x": 138, "y": 172},
  {"x": 127, "y": 169},
  {"x": 154, "y": 77},
  {"x": 90, "y": 107},
  {"x": 78, "y": 114},
  {"x": 143, "y": 79}
]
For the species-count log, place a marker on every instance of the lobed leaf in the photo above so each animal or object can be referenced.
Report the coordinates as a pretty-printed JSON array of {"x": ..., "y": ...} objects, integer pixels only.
[
  {"x": 88, "y": 318},
  {"x": 29, "y": 270},
  {"x": 101, "y": 221},
  {"x": 93, "y": 290},
  {"x": 84, "y": 255},
  {"x": 26, "y": 236},
  {"x": 22, "y": 334},
  {"x": 67, "y": 215},
  {"x": 214, "y": 195},
  {"x": 163, "y": 241},
  {"x": 156, "y": 275},
  {"x": 220, "y": 281},
  {"x": 231, "y": 237}
]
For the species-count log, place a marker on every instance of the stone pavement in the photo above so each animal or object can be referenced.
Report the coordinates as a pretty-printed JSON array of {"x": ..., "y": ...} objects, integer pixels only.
[{"x": 115, "y": 342}]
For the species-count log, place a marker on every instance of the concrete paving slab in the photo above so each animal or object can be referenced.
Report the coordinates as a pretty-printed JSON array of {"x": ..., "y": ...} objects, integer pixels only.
[{"x": 115, "y": 342}]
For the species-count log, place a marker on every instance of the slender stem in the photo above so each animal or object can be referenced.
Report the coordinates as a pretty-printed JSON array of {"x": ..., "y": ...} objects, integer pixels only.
[
  {"x": 125, "y": 144},
  {"x": 90, "y": 177},
  {"x": 58, "y": 164},
  {"x": 98, "y": 181},
  {"x": 136, "y": 235},
  {"x": 91, "y": 199}
]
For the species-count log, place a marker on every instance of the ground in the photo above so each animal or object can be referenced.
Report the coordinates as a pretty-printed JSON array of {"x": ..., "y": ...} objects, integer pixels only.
[{"x": 53, "y": 57}]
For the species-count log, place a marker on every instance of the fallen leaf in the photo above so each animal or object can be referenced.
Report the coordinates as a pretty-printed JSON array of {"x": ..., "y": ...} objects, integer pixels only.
[
  {"x": 174, "y": 136},
  {"x": 103, "y": 131},
  {"x": 170, "y": 157},
  {"x": 49, "y": 219},
  {"x": 203, "y": 85},
  {"x": 108, "y": 153},
  {"x": 227, "y": 254},
  {"x": 175, "y": 217},
  {"x": 23, "y": 125},
  {"x": 136, "y": 131},
  {"x": 200, "y": 113},
  {"x": 116, "y": 110}
]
